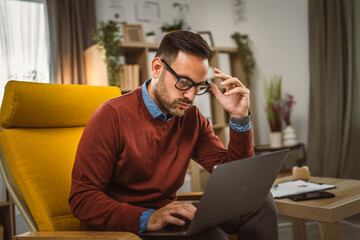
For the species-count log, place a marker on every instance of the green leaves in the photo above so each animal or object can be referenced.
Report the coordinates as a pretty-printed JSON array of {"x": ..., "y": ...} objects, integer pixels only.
[
  {"x": 300, "y": 160},
  {"x": 176, "y": 25},
  {"x": 245, "y": 53},
  {"x": 272, "y": 91},
  {"x": 107, "y": 35}
]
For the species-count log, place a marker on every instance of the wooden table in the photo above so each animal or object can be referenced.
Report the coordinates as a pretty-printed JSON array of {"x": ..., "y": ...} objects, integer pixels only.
[{"x": 328, "y": 212}]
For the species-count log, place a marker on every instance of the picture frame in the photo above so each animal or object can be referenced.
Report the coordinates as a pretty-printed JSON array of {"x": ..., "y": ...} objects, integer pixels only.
[
  {"x": 133, "y": 33},
  {"x": 207, "y": 36}
]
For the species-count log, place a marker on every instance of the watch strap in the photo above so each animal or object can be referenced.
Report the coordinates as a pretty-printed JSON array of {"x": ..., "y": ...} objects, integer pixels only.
[{"x": 243, "y": 121}]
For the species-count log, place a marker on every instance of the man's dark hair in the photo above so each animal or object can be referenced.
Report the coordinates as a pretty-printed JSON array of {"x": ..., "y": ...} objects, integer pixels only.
[{"x": 186, "y": 41}]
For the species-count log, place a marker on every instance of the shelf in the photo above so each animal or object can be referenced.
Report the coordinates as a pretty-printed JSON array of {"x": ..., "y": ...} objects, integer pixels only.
[
  {"x": 155, "y": 46},
  {"x": 224, "y": 49},
  {"x": 140, "y": 45},
  {"x": 5, "y": 204},
  {"x": 267, "y": 148}
]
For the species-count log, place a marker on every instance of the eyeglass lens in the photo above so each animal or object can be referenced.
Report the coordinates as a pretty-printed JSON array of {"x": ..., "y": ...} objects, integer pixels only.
[{"x": 185, "y": 84}]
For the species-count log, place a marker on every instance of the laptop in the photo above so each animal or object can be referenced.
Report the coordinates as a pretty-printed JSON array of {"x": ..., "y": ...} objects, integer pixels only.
[{"x": 233, "y": 189}]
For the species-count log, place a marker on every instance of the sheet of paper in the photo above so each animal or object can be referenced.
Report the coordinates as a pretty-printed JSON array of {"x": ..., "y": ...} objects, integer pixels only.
[{"x": 296, "y": 187}]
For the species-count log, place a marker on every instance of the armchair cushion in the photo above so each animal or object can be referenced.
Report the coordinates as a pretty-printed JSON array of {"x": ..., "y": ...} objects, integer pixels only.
[
  {"x": 47, "y": 105},
  {"x": 44, "y": 176}
]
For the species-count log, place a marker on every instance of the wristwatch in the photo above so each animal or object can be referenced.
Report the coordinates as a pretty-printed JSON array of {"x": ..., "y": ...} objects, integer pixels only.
[{"x": 243, "y": 121}]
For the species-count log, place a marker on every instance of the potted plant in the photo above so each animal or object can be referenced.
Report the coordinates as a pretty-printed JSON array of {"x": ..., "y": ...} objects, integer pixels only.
[
  {"x": 272, "y": 92},
  {"x": 245, "y": 53},
  {"x": 176, "y": 25},
  {"x": 150, "y": 37},
  {"x": 108, "y": 38},
  {"x": 300, "y": 171},
  {"x": 289, "y": 136}
]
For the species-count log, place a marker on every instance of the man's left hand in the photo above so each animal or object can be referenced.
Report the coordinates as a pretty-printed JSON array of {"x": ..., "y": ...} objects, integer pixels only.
[{"x": 236, "y": 99}]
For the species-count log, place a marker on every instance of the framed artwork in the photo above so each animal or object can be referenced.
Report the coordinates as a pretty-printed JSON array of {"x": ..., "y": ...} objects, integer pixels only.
[
  {"x": 147, "y": 11},
  {"x": 133, "y": 33},
  {"x": 206, "y": 35}
]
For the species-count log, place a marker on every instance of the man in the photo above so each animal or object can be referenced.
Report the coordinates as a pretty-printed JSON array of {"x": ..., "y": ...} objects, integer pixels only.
[{"x": 134, "y": 152}]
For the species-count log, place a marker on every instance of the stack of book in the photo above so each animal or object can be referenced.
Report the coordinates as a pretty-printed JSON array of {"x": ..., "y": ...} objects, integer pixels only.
[{"x": 129, "y": 77}]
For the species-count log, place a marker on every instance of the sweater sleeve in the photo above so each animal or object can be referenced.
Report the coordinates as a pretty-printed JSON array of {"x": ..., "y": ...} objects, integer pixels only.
[
  {"x": 210, "y": 151},
  {"x": 92, "y": 172}
]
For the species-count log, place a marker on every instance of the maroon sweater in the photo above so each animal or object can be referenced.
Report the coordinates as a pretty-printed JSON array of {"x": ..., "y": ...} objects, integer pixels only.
[{"x": 128, "y": 162}]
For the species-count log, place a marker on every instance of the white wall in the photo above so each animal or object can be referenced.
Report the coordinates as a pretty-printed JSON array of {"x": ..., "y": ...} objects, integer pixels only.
[{"x": 279, "y": 31}]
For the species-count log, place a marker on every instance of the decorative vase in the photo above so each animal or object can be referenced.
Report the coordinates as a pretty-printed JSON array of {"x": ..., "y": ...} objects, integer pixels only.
[
  {"x": 275, "y": 139},
  {"x": 301, "y": 173},
  {"x": 289, "y": 136}
]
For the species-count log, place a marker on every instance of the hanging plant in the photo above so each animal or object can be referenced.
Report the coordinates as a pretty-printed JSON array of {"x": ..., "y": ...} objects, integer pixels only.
[
  {"x": 107, "y": 35},
  {"x": 176, "y": 25},
  {"x": 245, "y": 53}
]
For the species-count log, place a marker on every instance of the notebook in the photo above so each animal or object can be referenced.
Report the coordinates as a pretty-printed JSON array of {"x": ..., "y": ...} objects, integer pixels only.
[{"x": 233, "y": 189}]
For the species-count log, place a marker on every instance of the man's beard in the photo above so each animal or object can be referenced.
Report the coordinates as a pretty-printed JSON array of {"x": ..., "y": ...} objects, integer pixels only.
[{"x": 166, "y": 104}]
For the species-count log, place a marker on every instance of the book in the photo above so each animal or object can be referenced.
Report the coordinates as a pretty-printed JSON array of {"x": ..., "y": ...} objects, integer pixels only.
[
  {"x": 287, "y": 189},
  {"x": 129, "y": 77}
]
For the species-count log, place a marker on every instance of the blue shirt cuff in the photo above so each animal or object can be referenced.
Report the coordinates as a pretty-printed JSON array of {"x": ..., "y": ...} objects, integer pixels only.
[
  {"x": 240, "y": 128},
  {"x": 144, "y": 219}
]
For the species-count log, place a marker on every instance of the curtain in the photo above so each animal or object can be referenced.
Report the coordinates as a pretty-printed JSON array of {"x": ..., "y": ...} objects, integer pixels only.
[
  {"x": 71, "y": 23},
  {"x": 23, "y": 42},
  {"x": 334, "y": 117}
]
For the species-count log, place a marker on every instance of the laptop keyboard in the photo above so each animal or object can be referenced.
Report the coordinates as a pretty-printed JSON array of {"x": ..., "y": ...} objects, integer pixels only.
[{"x": 176, "y": 228}]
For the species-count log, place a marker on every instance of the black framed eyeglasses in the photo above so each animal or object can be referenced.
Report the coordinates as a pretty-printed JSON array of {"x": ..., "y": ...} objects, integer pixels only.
[{"x": 185, "y": 83}]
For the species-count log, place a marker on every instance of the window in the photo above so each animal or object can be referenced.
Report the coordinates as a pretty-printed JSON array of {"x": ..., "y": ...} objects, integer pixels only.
[{"x": 24, "y": 45}]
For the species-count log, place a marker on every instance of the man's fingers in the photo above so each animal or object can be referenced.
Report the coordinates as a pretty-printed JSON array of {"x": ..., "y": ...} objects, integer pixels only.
[
  {"x": 232, "y": 81},
  {"x": 235, "y": 100},
  {"x": 187, "y": 211},
  {"x": 174, "y": 220},
  {"x": 171, "y": 214},
  {"x": 242, "y": 91},
  {"x": 216, "y": 70},
  {"x": 215, "y": 91},
  {"x": 227, "y": 80}
]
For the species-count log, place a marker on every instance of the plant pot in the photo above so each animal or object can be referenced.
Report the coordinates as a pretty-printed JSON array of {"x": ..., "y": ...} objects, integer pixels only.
[
  {"x": 151, "y": 39},
  {"x": 275, "y": 139},
  {"x": 301, "y": 173},
  {"x": 289, "y": 136}
]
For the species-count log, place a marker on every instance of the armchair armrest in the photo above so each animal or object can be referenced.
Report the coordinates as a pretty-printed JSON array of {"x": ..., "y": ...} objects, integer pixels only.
[
  {"x": 191, "y": 196},
  {"x": 81, "y": 235},
  {"x": 98, "y": 235}
]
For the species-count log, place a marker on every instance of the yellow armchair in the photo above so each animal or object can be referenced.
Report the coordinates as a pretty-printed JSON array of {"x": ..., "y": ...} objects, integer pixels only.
[{"x": 42, "y": 125}]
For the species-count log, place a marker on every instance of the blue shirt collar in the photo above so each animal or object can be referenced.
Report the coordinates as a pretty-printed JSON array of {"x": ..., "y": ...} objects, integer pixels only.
[{"x": 151, "y": 105}]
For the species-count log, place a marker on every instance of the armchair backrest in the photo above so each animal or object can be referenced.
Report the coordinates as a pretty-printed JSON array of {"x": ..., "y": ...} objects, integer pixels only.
[{"x": 42, "y": 125}]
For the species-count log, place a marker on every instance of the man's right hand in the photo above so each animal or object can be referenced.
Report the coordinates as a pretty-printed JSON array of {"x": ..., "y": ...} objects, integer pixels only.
[{"x": 170, "y": 214}]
